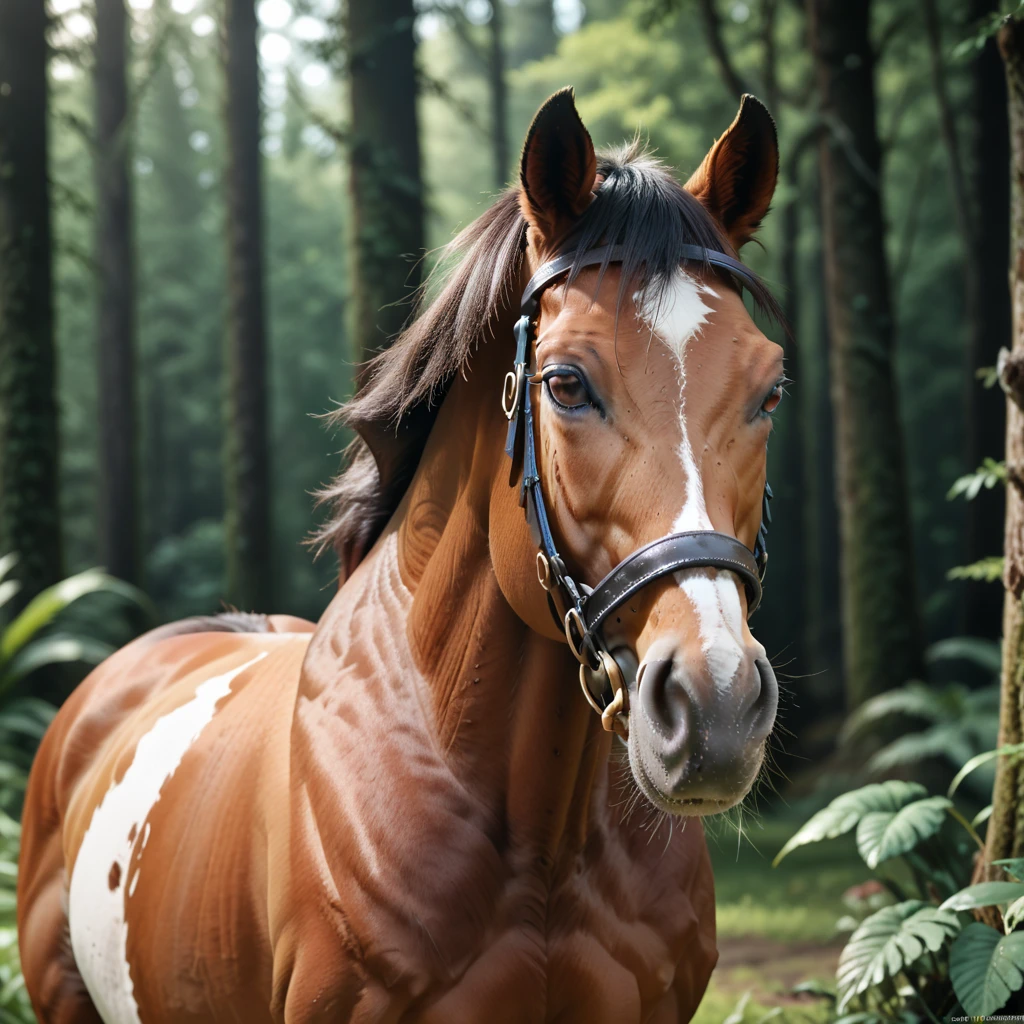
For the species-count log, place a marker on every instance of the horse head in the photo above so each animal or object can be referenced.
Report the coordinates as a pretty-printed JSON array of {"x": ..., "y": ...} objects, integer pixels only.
[{"x": 651, "y": 394}]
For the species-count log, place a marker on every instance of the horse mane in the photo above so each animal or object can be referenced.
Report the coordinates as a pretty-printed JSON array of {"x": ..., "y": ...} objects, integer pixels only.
[{"x": 638, "y": 204}]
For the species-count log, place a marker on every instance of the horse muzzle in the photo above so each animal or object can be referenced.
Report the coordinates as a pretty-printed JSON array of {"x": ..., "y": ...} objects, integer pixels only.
[{"x": 696, "y": 747}]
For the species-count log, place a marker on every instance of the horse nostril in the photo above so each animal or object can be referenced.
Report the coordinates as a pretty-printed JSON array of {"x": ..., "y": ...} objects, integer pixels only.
[
  {"x": 766, "y": 704},
  {"x": 659, "y": 699}
]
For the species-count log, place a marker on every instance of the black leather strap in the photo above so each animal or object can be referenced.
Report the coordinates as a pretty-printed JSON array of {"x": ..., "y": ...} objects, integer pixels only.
[
  {"x": 670, "y": 554},
  {"x": 605, "y": 254}
]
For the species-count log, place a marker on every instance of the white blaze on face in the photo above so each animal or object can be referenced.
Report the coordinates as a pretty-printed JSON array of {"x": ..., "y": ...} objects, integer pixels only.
[
  {"x": 676, "y": 316},
  {"x": 99, "y": 891}
]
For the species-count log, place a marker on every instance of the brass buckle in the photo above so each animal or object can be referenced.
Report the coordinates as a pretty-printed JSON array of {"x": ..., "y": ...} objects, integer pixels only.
[
  {"x": 615, "y": 717},
  {"x": 573, "y": 618},
  {"x": 513, "y": 390}
]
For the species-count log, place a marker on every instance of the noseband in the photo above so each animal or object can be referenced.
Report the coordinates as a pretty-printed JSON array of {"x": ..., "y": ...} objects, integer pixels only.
[{"x": 580, "y": 610}]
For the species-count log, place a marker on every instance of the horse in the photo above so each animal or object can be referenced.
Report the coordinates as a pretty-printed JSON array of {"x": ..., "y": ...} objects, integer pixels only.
[{"x": 408, "y": 811}]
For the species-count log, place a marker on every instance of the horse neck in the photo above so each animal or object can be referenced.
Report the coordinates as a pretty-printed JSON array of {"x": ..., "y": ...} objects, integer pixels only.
[{"x": 501, "y": 701}]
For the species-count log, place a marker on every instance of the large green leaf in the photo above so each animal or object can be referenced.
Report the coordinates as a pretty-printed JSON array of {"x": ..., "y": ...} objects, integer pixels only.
[
  {"x": 986, "y": 968},
  {"x": 1013, "y": 866},
  {"x": 7, "y": 563},
  {"x": 1009, "y": 750},
  {"x": 915, "y": 700},
  {"x": 982, "y": 816},
  {"x": 888, "y": 941},
  {"x": 946, "y": 741},
  {"x": 985, "y": 654},
  {"x": 44, "y": 607},
  {"x": 844, "y": 813},
  {"x": 1014, "y": 914},
  {"x": 51, "y": 650},
  {"x": 984, "y": 894},
  {"x": 7, "y": 590},
  {"x": 885, "y": 834}
]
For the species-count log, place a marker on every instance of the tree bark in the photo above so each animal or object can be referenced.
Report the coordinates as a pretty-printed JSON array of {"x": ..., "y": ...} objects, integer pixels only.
[
  {"x": 247, "y": 458},
  {"x": 385, "y": 181},
  {"x": 989, "y": 187},
  {"x": 882, "y": 633},
  {"x": 499, "y": 94},
  {"x": 115, "y": 306},
  {"x": 1005, "y": 835},
  {"x": 29, "y": 504}
]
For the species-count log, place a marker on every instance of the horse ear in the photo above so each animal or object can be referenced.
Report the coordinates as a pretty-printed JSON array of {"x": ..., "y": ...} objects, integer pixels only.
[
  {"x": 737, "y": 178},
  {"x": 558, "y": 167}
]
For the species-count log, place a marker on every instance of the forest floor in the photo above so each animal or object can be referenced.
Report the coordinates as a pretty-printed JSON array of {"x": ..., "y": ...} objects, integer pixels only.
[{"x": 776, "y": 926}]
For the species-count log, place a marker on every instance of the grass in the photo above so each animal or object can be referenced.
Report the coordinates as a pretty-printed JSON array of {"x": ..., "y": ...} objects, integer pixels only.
[{"x": 776, "y": 926}]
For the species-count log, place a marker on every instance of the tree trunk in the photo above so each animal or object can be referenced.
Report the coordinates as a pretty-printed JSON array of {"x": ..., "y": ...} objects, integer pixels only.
[
  {"x": 1005, "y": 836},
  {"x": 385, "y": 182},
  {"x": 499, "y": 95},
  {"x": 29, "y": 506},
  {"x": 788, "y": 467},
  {"x": 824, "y": 625},
  {"x": 989, "y": 186},
  {"x": 534, "y": 37},
  {"x": 882, "y": 634},
  {"x": 115, "y": 306},
  {"x": 247, "y": 499}
]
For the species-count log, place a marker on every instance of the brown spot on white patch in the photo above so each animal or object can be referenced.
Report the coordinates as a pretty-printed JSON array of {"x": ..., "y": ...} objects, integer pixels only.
[
  {"x": 114, "y": 878},
  {"x": 133, "y": 833}
]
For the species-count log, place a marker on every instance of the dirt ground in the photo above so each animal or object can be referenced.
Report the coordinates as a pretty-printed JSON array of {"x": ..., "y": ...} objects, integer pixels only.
[{"x": 769, "y": 970}]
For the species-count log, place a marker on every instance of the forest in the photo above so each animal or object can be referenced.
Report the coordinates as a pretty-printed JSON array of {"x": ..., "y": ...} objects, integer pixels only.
[{"x": 213, "y": 212}]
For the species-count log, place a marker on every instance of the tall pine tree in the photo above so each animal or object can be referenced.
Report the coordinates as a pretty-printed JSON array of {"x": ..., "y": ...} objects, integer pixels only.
[
  {"x": 29, "y": 511},
  {"x": 882, "y": 631},
  {"x": 115, "y": 307},
  {"x": 384, "y": 160},
  {"x": 247, "y": 462}
]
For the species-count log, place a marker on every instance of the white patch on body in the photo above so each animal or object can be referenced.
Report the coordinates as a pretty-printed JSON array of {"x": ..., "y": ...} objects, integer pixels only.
[
  {"x": 676, "y": 315},
  {"x": 96, "y": 911}
]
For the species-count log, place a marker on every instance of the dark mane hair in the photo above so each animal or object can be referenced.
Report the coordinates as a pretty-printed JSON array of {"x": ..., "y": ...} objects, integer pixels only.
[{"x": 638, "y": 204}]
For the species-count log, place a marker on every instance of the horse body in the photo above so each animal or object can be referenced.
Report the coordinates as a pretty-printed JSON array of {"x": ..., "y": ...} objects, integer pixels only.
[
  {"x": 410, "y": 813},
  {"x": 381, "y": 841}
]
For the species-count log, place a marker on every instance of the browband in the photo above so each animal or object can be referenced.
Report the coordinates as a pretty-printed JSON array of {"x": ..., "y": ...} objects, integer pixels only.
[
  {"x": 605, "y": 254},
  {"x": 581, "y": 611}
]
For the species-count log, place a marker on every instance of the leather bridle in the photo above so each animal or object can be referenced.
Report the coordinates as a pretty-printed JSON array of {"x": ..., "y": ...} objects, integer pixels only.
[{"x": 578, "y": 609}]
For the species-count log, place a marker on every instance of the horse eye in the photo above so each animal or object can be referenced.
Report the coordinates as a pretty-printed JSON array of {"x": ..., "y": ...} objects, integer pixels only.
[
  {"x": 567, "y": 390},
  {"x": 772, "y": 401}
]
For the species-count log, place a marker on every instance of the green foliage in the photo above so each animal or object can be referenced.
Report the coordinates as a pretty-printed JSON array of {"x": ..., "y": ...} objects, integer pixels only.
[
  {"x": 982, "y": 31},
  {"x": 922, "y": 955},
  {"x": 986, "y": 968},
  {"x": 985, "y": 894},
  {"x": 987, "y": 475},
  {"x": 882, "y": 835},
  {"x": 985, "y": 570},
  {"x": 986, "y": 654},
  {"x": 1013, "y": 750},
  {"x": 25, "y": 649},
  {"x": 943, "y": 727},
  {"x": 888, "y": 942},
  {"x": 848, "y": 810}
]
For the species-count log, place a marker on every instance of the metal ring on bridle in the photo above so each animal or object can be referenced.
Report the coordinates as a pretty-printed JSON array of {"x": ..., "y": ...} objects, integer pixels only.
[
  {"x": 615, "y": 714},
  {"x": 512, "y": 392},
  {"x": 544, "y": 571},
  {"x": 585, "y": 646}
]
